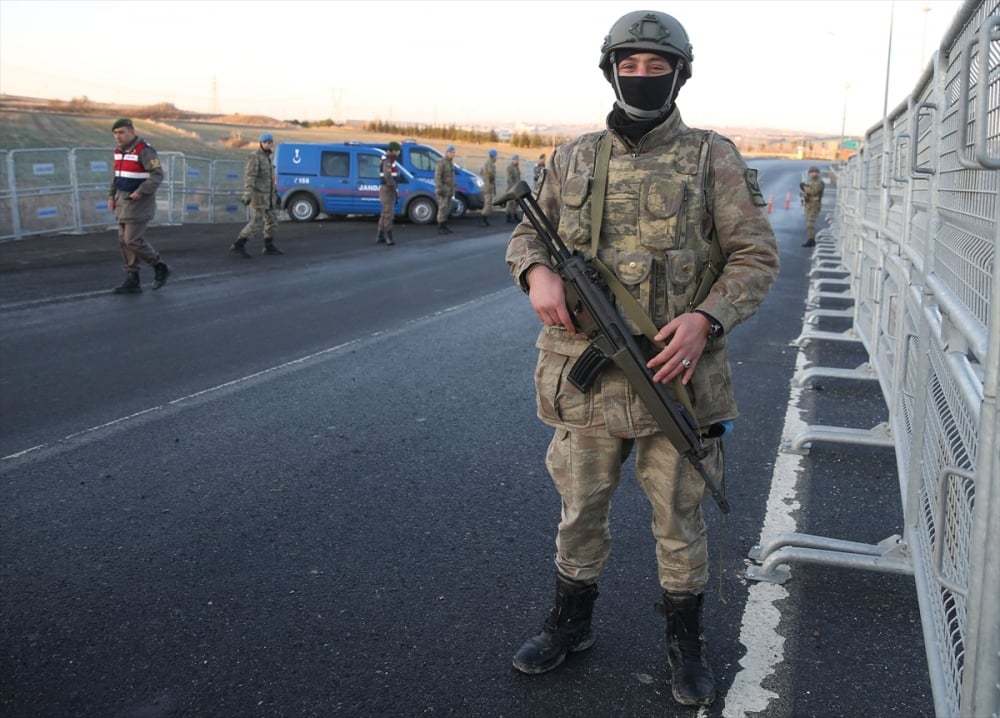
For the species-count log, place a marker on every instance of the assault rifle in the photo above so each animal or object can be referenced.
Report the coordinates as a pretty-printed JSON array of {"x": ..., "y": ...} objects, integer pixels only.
[{"x": 611, "y": 340}]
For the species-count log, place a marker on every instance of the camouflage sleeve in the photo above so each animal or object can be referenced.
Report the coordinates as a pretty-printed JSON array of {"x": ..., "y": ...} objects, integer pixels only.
[
  {"x": 737, "y": 211},
  {"x": 151, "y": 163},
  {"x": 249, "y": 172},
  {"x": 524, "y": 249}
]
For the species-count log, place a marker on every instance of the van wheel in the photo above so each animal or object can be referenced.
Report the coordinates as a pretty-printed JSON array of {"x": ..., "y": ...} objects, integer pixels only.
[
  {"x": 461, "y": 206},
  {"x": 422, "y": 210},
  {"x": 302, "y": 208}
]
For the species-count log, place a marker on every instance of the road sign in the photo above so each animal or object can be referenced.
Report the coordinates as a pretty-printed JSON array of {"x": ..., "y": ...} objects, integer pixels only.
[{"x": 850, "y": 145}]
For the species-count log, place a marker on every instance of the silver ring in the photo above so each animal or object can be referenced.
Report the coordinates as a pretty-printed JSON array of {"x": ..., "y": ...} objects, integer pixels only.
[{"x": 686, "y": 363}]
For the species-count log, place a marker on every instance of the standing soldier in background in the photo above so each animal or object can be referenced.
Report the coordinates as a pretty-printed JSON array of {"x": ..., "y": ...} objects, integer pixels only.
[
  {"x": 444, "y": 188},
  {"x": 489, "y": 174},
  {"x": 513, "y": 177},
  {"x": 539, "y": 170},
  {"x": 138, "y": 173},
  {"x": 260, "y": 193},
  {"x": 812, "y": 198},
  {"x": 679, "y": 221},
  {"x": 388, "y": 172}
]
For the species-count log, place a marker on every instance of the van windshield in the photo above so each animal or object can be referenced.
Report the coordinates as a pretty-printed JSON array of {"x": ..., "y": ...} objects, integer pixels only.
[{"x": 424, "y": 158}]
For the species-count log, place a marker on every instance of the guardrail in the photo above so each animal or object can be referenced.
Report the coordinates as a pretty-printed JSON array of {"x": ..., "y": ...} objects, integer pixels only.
[{"x": 914, "y": 246}]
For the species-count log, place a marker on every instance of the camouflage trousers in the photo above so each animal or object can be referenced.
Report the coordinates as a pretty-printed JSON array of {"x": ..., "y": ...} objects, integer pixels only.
[
  {"x": 444, "y": 208},
  {"x": 261, "y": 218},
  {"x": 586, "y": 470},
  {"x": 812, "y": 212},
  {"x": 487, "y": 209},
  {"x": 387, "y": 196}
]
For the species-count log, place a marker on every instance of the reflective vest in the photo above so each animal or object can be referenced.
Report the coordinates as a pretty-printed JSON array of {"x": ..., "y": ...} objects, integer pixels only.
[{"x": 129, "y": 172}]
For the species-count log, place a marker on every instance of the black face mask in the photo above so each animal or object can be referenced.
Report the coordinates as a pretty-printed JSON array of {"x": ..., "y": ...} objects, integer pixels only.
[{"x": 646, "y": 93}]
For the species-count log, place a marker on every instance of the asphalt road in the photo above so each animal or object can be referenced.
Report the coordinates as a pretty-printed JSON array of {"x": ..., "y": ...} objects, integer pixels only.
[{"x": 313, "y": 485}]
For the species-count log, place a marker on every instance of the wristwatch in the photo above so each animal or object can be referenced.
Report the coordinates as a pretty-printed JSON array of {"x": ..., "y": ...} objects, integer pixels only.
[{"x": 714, "y": 326}]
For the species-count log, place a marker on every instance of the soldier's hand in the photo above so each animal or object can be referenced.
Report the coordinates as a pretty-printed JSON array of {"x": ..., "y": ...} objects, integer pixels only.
[
  {"x": 245, "y": 199},
  {"x": 686, "y": 336},
  {"x": 548, "y": 298}
]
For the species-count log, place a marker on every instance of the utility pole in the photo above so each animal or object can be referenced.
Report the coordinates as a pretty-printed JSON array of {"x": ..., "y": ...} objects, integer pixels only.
[{"x": 843, "y": 122}]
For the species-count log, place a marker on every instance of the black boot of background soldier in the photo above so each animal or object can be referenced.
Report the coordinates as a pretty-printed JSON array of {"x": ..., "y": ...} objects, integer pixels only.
[
  {"x": 388, "y": 237},
  {"x": 239, "y": 247},
  {"x": 567, "y": 629},
  {"x": 443, "y": 228},
  {"x": 131, "y": 284},
  {"x": 269, "y": 247}
]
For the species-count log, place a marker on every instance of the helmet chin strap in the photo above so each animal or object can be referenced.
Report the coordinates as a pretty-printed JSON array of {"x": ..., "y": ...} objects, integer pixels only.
[{"x": 637, "y": 113}]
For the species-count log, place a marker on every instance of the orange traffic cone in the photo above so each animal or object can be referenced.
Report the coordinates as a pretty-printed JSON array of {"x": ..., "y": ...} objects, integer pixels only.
[
  {"x": 770, "y": 203},
  {"x": 788, "y": 200}
]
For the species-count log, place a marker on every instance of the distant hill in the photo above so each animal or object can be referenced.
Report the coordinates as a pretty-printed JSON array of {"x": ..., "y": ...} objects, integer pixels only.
[{"x": 29, "y": 122}]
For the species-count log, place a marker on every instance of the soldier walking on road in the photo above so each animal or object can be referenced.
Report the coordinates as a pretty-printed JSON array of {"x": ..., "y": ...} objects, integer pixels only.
[
  {"x": 686, "y": 237},
  {"x": 387, "y": 194},
  {"x": 138, "y": 173},
  {"x": 539, "y": 170},
  {"x": 812, "y": 199},
  {"x": 489, "y": 174},
  {"x": 513, "y": 177},
  {"x": 444, "y": 188},
  {"x": 260, "y": 193}
]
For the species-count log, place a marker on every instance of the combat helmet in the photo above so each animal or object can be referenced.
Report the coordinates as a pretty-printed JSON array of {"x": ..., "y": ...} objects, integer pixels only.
[{"x": 648, "y": 31}]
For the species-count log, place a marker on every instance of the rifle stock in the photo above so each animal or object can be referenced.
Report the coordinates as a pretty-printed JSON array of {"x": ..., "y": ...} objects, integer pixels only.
[{"x": 611, "y": 340}]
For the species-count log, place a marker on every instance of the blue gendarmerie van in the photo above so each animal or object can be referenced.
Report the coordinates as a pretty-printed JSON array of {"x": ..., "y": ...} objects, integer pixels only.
[
  {"x": 343, "y": 179},
  {"x": 421, "y": 160}
]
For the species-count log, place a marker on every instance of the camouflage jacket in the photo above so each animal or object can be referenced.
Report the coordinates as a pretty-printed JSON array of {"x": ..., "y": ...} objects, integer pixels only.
[
  {"x": 258, "y": 180},
  {"x": 489, "y": 175},
  {"x": 665, "y": 198},
  {"x": 513, "y": 174},
  {"x": 444, "y": 178},
  {"x": 812, "y": 191}
]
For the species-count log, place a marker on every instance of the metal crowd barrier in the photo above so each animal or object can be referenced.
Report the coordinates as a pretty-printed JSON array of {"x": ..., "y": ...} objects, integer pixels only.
[
  {"x": 65, "y": 191},
  {"x": 913, "y": 250}
]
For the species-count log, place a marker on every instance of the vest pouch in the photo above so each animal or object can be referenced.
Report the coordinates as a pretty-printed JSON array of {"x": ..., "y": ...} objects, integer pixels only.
[
  {"x": 661, "y": 219},
  {"x": 681, "y": 274},
  {"x": 574, "y": 223},
  {"x": 634, "y": 270}
]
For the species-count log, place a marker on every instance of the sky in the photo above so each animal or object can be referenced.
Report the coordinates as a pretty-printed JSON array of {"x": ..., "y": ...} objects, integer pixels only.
[{"x": 815, "y": 66}]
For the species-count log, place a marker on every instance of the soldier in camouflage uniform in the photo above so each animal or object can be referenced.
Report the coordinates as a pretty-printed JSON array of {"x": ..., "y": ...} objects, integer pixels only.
[
  {"x": 513, "y": 177},
  {"x": 260, "y": 193},
  {"x": 489, "y": 174},
  {"x": 812, "y": 199},
  {"x": 387, "y": 193},
  {"x": 444, "y": 188},
  {"x": 671, "y": 192}
]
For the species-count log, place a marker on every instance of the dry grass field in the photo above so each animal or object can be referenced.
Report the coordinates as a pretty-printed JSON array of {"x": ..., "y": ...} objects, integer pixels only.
[{"x": 29, "y": 129}]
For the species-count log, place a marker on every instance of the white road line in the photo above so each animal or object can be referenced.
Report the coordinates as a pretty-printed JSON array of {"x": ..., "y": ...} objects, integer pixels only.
[
  {"x": 759, "y": 627},
  {"x": 248, "y": 377}
]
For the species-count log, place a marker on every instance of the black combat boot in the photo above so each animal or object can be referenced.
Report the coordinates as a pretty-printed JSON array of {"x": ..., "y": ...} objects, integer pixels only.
[
  {"x": 380, "y": 238},
  {"x": 510, "y": 219},
  {"x": 810, "y": 243},
  {"x": 160, "y": 273},
  {"x": 388, "y": 237},
  {"x": 269, "y": 247},
  {"x": 484, "y": 220},
  {"x": 130, "y": 285},
  {"x": 566, "y": 629},
  {"x": 691, "y": 679},
  {"x": 240, "y": 247},
  {"x": 443, "y": 228}
]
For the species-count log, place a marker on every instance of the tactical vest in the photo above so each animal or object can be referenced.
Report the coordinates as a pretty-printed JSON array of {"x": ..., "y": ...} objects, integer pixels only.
[
  {"x": 653, "y": 233},
  {"x": 129, "y": 172}
]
